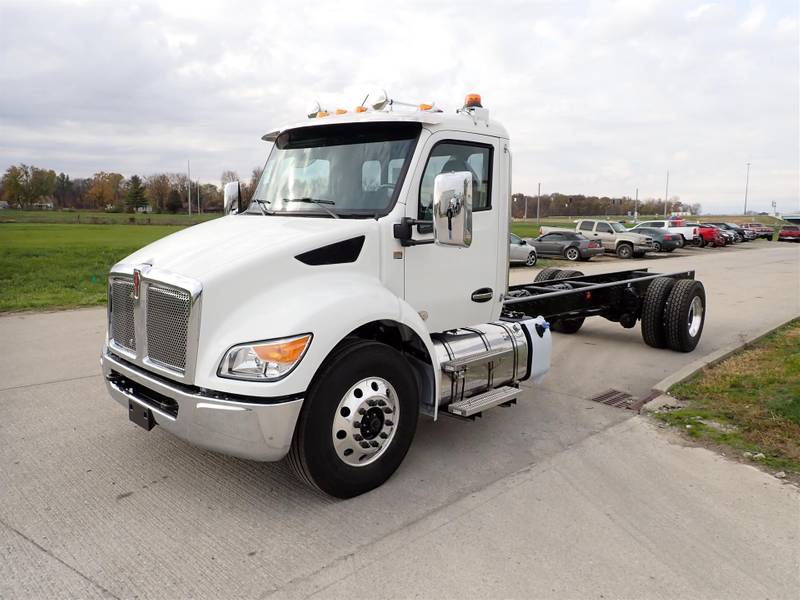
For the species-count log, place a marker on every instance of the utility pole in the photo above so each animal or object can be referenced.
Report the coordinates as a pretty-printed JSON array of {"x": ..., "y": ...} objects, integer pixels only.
[
  {"x": 525, "y": 215},
  {"x": 538, "y": 201},
  {"x": 636, "y": 207},
  {"x": 666, "y": 196},
  {"x": 746, "y": 185},
  {"x": 189, "y": 185}
]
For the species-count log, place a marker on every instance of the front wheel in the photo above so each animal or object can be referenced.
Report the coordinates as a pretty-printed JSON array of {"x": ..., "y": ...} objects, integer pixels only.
[
  {"x": 358, "y": 420},
  {"x": 531, "y": 260},
  {"x": 625, "y": 251}
]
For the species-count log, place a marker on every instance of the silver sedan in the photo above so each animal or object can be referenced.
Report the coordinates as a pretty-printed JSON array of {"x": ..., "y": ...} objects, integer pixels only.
[{"x": 520, "y": 251}]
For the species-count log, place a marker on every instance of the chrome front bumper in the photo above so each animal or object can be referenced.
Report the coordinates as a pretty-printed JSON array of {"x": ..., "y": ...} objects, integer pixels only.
[{"x": 252, "y": 430}]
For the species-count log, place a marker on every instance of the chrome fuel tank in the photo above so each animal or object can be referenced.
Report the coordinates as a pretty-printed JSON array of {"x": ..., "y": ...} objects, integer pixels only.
[{"x": 489, "y": 355}]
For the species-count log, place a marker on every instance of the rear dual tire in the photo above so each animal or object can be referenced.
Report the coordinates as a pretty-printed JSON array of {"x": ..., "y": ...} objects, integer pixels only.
[
  {"x": 673, "y": 314},
  {"x": 567, "y": 325}
]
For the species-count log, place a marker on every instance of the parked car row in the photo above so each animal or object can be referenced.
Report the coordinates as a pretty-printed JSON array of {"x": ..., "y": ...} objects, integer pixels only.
[{"x": 594, "y": 237}]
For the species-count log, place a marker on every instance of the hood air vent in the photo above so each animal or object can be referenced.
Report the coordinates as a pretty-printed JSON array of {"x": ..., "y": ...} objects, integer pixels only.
[{"x": 346, "y": 251}]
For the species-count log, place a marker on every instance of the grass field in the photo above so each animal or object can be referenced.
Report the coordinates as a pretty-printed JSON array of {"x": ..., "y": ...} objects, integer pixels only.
[
  {"x": 749, "y": 402},
  {"x": 89, "y": 217},
  {"x": 46, "y": 266}
]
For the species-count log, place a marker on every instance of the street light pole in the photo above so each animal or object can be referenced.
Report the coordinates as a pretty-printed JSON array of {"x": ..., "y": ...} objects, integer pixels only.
[
  {"x": 636, "y": 207},
  {"x": 666, "y": 196},
  {"x": 746, "y": 185},
  {"x": 538, "y": 201},
  {"x": 189, "y": 185}
]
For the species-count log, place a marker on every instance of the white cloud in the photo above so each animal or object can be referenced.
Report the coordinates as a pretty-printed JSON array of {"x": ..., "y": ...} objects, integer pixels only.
[{"x": 599, "y": 97}]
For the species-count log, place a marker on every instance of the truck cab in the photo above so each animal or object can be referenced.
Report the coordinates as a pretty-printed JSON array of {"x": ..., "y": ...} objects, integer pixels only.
[
  {"x": 355, "y": 290},
  {"x": 615, "y": 238}
]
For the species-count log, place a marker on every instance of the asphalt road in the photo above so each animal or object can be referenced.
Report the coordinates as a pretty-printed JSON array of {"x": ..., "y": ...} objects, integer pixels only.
[{"x": 556, "y": 497}]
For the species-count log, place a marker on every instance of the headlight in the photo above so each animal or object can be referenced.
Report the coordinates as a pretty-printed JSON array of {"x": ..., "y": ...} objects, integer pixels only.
[{"x": 264, "y": 361}]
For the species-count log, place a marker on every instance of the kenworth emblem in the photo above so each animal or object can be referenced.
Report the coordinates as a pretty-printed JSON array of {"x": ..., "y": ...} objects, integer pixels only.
[{"x": 137, "y": 283}]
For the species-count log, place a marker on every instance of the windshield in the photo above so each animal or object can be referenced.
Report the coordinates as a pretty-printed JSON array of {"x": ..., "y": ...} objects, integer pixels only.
[
  {"x": 618, "y": 227},
  {"x": 345, "y": 169}
]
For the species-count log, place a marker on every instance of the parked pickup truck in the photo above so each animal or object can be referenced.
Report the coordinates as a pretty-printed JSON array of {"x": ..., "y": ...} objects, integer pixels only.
[
  {"x": 613, "y": 237},
  {"x": 762, "y": 231},
  {"x": 363, "y": 285},
  {"x": 687, "y": 234}
]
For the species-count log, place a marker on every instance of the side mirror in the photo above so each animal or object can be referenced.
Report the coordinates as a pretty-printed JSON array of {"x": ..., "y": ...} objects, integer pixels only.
[
  {"x": 232, "y": 198},
  {"x": 452, "y": 209},
  {"x": 524, "y": 242}
]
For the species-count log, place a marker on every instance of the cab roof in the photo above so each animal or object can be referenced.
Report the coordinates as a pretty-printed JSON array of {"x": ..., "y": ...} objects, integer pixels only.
[{"x": 433, "y": 120}]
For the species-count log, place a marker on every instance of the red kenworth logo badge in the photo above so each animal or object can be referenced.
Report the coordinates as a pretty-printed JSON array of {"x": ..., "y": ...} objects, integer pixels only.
[{"x": 137, "y": 282}]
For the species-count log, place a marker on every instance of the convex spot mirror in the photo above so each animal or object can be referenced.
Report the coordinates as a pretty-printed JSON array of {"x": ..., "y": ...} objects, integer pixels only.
[
  {"x": 452, "y": 209},
  {"x": 232, "y": 198}
]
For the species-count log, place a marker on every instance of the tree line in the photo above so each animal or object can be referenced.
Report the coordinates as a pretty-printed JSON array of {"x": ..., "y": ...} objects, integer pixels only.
[
  {"x": 563, "y": 205},
  {"x": 26, "y": 187}
]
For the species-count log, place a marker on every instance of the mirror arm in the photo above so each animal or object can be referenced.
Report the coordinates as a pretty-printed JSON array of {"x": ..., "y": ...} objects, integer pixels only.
[
  {"x": 239, "y": 200},
  {"x": 402, "y": 232}
]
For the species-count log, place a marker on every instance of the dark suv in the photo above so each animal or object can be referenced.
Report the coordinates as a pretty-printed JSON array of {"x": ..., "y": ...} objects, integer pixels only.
[{"x": 742, "y": 234}]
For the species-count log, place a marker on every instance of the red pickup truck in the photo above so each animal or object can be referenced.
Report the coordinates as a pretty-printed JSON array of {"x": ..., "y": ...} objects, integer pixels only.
[
  {"x": 707, "y": 234},
  {"x": 789, "y": 233},
  {"x": 761, "y": 230}
]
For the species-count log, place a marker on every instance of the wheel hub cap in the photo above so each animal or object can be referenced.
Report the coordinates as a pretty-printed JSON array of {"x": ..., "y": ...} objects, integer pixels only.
[
  {"x": 695, "y": 315},
  {"x": 365, "y": 421}
]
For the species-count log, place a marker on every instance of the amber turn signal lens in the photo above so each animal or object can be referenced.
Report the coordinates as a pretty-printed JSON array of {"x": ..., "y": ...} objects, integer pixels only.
[
  {"x": 361, "y": 109},
  {"x": 322, "y": 113},
  {"x": 425, "y": 106},
  {"x": 282, "y": 352},
  {"x": 340, "y": 111}
]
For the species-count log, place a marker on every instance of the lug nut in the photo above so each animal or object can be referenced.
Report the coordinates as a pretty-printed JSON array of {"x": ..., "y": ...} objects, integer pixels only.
[
  {"x": 387, "y": 410},
  {"x": 383, "y": 435},
  {"x": 356, "y": 424},
  {"x": 381, "y": 403},
  {"x": 372, "y": 402},
  {"x": 365, "y": 444},
  {"x": 357, "y": 438},
  {"x": 362, "y": 411},
  {"x": 388, "y": 423},
  {"x": 374, "y": 444}
]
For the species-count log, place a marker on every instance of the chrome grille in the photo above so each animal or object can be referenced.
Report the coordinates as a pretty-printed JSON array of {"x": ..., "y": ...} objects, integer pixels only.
[
  {"x": 167, "y": 326},
  {"x": 122, "y": 320}
]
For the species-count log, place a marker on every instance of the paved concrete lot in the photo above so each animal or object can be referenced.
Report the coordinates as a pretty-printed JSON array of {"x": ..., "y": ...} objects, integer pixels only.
[{"x": 557, "y": 497}]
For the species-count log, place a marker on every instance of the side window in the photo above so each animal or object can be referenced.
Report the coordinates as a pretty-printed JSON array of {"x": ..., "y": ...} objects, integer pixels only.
[
  {"x": 555, "y": 237},
  {"x": 586, "y": 225},
  {"x": 656, "y": 224},
  {"x": 457, "y": 156},
  {"x": 604, "y": 228}
]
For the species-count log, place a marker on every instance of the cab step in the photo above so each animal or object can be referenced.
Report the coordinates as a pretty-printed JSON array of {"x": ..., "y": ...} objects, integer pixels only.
[{"x": 473, "y": 406}]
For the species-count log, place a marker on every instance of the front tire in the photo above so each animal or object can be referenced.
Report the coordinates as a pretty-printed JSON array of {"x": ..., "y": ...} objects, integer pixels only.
[
  {"x": 358, "y": 420},
  {"x": 531, "y": 260},
  {"x": 625, "y": 251}
]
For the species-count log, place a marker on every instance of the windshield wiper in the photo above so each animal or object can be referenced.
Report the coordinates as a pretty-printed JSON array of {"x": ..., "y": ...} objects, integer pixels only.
[
  {"x": 318, "y": 202},
  {"x": 262, "y": 204}
]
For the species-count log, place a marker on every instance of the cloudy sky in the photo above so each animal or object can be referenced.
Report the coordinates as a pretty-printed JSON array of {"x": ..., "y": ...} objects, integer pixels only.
[{"x": 599, "y": 96}]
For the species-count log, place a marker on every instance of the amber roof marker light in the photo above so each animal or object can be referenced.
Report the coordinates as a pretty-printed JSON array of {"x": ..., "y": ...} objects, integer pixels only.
[{"x": 473, "y": 100}]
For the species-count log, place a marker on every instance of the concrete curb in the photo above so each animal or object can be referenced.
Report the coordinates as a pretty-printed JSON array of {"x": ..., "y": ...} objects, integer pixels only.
[{"x": 663, "y": 386}]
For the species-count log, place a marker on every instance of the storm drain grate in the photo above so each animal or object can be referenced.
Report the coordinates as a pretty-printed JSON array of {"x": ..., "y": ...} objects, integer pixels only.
[{"x": 615, "y": 398}]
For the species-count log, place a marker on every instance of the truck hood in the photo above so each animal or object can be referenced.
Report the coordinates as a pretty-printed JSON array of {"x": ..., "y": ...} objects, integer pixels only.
[
  {"x": 636, "y": 238},
  {"x": 201, "y": 251}
]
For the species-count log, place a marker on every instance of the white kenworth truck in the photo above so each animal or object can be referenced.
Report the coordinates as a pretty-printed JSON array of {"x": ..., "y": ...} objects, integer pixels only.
[{"x": 364, "y": 284}]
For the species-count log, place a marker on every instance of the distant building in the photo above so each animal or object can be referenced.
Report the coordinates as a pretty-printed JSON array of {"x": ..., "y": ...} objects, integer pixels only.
[
  {"x": 43, "y": 205},
  {"x": 144, "y": 209}
]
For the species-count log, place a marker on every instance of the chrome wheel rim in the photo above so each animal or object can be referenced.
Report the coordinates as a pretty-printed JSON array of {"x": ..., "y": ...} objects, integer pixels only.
[
  {"x": 531, "y": 260},
  {"x": 695, "y": 315},
  {"x": 572, "y": 254},
  {"x": 365, "y": 422}
]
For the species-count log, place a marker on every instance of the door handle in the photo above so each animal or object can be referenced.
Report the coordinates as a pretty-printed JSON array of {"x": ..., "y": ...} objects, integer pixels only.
[{"x": 482, "y": 295}]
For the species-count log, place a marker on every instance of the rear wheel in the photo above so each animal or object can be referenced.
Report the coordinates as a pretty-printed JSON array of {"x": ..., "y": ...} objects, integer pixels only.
[
  {"x": 657, "y": 246},
  {"x": 572, "y": 253},
  {"x": 567, "y": 325},
  {"x": 701, "y": 241},
  {"x": 655, "y": 299},
  {"x": 625, "y": 251},
  {"x": 546, "y": 274},
  {"x": 685, "y": 315},
  {"x": 681, "y": 241},
  {"x": 358, "y": 420}
]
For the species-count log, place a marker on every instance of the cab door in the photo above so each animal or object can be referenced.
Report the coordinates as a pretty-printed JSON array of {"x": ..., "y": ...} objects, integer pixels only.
[
  {"x": 604, "y": 233},
  {"x": 448, "y": 286}
]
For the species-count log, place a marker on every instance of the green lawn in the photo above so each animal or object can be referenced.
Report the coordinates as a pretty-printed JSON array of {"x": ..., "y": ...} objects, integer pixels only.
[
  {"x": 749, "y": 402},
  {"x": 91, "y": 217},
  {"x": 46, "y": 266}
]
